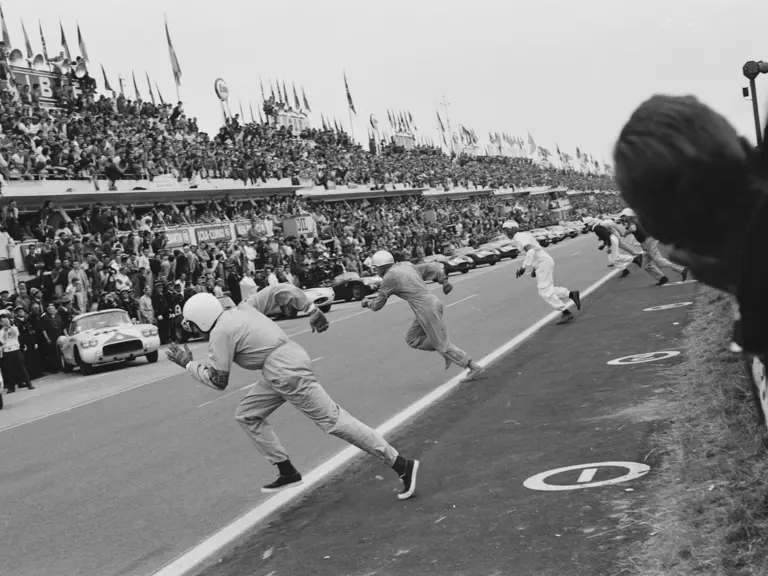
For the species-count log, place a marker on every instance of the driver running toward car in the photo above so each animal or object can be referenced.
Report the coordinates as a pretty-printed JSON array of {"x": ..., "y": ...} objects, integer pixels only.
[
  {"x": 248, "y": 338},
  {"x": 428, "y": 331},
  {"x": 543, "y": 270},
  {"x": 283, "y": 299}
]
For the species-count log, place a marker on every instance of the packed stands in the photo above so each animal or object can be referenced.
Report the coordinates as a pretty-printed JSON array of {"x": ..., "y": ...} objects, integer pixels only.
[{"x": 93, "y": 135}]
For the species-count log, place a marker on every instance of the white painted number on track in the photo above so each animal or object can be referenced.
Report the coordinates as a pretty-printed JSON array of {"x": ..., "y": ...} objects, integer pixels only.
[
  {"x": 667, "y": 306},
  {"x": 588, "y": 471},
  {"x": 641, "y": 358}
]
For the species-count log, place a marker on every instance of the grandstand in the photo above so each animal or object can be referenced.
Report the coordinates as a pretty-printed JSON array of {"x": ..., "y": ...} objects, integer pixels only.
[{"x": 92, "y": 177}]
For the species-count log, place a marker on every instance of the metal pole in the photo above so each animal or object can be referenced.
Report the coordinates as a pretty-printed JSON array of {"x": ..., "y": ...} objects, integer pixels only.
[
  {"x": 756, "y": 113},
  {"x": 448, "y": 121},
  {"x": 351, "y": 125}
]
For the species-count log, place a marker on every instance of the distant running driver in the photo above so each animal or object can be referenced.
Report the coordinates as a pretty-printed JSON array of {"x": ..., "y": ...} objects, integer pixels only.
[
  {"x": 428, "y": 331},
  {"x": 543, "y": 266}
]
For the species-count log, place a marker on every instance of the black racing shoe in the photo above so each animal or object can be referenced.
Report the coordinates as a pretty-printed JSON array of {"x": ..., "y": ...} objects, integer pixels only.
[
  {"x": 283, "y": 483},
  {"x": 624, "y": 273},
  {"x": 663, "y": 280},
  {"x": 409, "y": 479},
  {"x": 684, "y": 274},
  {"x": 566, "y": 317},
  {"x": 638, "y": 260},
  {"x": 575, "y": 295}
]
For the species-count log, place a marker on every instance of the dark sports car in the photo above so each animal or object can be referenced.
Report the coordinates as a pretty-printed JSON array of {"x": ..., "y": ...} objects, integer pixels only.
[
  {"x": 503, "y": 245},
  {"x": 480, "y": 256},
  {"x": 451, "y": 264},
  {"x": 350, "y": 286}
]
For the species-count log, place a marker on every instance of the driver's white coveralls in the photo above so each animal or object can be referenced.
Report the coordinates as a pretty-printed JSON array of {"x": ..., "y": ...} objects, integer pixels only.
[
  {"x": 428, "y": 331},
  {"x": 246, "y": 337},
  {"x": 544, "y": 265}
]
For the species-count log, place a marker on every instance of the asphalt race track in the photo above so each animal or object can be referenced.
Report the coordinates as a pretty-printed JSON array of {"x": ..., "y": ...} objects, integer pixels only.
[
  {"x": 542, "y": 468},
  {"x": 120, "y": 472}
]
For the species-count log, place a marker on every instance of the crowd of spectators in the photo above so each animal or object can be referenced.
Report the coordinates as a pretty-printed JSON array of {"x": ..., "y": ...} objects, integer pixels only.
[{"x": 92, "y": 135}]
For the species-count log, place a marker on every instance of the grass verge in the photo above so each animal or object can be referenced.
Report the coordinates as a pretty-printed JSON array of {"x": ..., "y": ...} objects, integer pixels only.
[{"x": 707, "y": 512}]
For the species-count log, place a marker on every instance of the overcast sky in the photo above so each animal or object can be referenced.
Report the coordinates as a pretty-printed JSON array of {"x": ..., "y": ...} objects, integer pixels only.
[{"x": 568, "y": 71}]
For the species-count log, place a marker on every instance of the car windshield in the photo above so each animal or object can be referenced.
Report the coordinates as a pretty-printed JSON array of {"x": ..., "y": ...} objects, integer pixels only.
[{"x": 105, "y": 320}]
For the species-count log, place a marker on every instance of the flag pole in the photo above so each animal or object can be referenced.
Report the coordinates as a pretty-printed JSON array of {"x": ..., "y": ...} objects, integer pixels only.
[{"x": 444, "y": 103}]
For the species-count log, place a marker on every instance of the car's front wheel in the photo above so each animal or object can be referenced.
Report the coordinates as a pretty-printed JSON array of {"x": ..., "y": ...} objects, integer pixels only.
[
  {"x": 358, "y": 291},
  {"x": 325, "y": 309},
  {"x": 85, "y": 368},
  {"x": 153, "y": 356},
  {"x": 65, "y": 366}
]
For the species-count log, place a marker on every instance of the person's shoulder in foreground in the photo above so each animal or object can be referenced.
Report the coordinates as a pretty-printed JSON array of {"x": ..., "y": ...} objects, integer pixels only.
[{"x": 699, "y": 186}]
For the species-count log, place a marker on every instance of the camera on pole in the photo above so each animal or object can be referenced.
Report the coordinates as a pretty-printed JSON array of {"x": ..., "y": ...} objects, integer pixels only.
[{"x": 752, "y": 70}]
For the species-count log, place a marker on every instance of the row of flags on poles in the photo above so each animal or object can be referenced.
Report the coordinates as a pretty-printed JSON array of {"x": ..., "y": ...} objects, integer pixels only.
[
  {"x": 28, "y": 44},
  {"x": 65, "y": 51},
  {"x": 507, "y": 144},
  {"x": 283, "y": 97}
]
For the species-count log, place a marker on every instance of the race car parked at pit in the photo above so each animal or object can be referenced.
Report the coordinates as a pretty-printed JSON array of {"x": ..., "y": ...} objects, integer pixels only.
[
  {"x": 558, "y": 233},
  {"x": 573, "y": 229},
  {"x": 541, "y": 236},
  {"x": 351, "y": 286},
  {"x": 451, "y": 264},
  {"x": 479, "y": 256},
  {"x": 322, "y": 297},
  {"x": 104, "y": 337},
  {"x": 503, "y": 245}
]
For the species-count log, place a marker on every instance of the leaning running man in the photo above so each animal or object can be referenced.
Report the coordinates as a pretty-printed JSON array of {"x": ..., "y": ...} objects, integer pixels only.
[
  {"x": 428, "y": 331},
  {"x": 246, "y": 337}
]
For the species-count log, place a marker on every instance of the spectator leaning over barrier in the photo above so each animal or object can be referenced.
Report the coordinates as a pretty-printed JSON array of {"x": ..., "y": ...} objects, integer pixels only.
[{"x": 697, "y": 185}]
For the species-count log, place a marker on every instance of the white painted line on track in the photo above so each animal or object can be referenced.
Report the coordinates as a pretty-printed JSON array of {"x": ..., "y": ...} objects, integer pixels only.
[
  {"x": 91, "y": 401},
  {"x": 200, "y": 553},
  {"x": 460, "y": 301},
  {"x": 317, "y": 359},
  {"x": 228, "y": 394}
]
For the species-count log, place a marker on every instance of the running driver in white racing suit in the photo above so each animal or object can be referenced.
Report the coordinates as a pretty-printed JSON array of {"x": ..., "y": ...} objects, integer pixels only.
[{"x": 543, "y": 270}]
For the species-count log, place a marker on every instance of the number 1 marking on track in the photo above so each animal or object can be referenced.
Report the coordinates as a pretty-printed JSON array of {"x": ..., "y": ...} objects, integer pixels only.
[{"x": 587, "y": 475}]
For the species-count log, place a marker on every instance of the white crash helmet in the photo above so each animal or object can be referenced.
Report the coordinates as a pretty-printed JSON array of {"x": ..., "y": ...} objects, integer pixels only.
[
  {"x": 203, "y": 310},
  {"x": 382, "y": 258},
  {"x": 510, "y": 224},
  {"x": 628, "y": 213}
]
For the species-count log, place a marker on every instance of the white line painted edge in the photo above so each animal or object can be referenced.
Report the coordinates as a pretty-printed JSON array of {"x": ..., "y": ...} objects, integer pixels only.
[
  {"x": 91, "y": 401},
  {"x": 228, "y": 394},
  {"x": 460, "y": 301},
  {"x": 203, "y": 551}
]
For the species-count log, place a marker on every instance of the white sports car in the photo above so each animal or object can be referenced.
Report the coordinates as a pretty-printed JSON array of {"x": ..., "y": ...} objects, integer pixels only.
[
  {"x": 321, "y": 297},
  {"x": 104, "y": 337}
]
